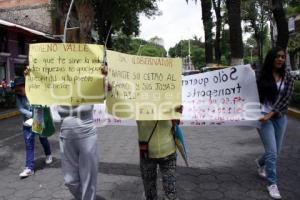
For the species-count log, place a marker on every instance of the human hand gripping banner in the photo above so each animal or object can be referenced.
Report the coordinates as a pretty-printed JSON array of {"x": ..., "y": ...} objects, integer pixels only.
[
  {"x": 65, "y": 74},
  {"x": 223, "y": 97},
  {"x": 143, "y": 88}
]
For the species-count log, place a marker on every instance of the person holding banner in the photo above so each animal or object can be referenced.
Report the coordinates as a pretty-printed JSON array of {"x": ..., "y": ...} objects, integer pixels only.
[
  {"x": 29, "y": 136},
  {"x": 275, "y": 87},
  {"x": 157, "y": 147},
  {"x": 78, "y": 146}
]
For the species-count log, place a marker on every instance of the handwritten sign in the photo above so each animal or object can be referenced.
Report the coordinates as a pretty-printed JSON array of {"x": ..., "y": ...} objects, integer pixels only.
[
  {"x": 102, "y": 118},
  {"x": 219, "y": 98},
  {"x": 65, "y": 74},
  {"x": 144, "y": 88},
  {"x": 223, "y": 97}
]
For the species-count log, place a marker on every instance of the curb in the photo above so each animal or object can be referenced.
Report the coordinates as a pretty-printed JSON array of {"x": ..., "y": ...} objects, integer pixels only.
[
  {"x": 9, "y": 114},
  {"x": 294, "y": 113}
]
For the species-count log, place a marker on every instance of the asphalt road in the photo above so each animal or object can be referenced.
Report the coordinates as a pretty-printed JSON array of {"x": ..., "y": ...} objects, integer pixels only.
[{"x": 221, "y": 165}]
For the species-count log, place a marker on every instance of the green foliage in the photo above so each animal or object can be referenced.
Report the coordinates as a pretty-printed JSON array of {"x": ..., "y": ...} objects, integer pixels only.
[
  {"x": 293, "y": 7},
  {"x": 296, "y": 96},
  {"x": 136, "y": 46},
  {"x": 181, "y": 49},
  {"x": 255, "y": 14},
  {"x": 294, "y": 42},
  {"x": 225, "y": 48},
  {"x": 111, "y": 16},
  {"x": 115, "y": 15},
  {"x": 153, "y": 50}
]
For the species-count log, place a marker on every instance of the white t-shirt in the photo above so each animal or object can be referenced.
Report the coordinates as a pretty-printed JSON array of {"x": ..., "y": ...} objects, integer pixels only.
[{"x": 267, "y": 106}]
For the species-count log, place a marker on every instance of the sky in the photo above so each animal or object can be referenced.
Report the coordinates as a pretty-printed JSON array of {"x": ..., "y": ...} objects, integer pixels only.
[{"x": 178, "y": 21}]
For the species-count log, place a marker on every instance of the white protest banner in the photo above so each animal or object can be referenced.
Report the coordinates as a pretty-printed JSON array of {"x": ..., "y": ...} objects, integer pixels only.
[
  {"x": 223, "y": 97},
  {"x": 218, "y": 98}
]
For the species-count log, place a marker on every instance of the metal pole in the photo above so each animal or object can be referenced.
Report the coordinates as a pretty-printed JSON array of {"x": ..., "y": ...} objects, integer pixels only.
[
  {"x": 189, "y": 56},
  {"x": 66, "y": 22}
]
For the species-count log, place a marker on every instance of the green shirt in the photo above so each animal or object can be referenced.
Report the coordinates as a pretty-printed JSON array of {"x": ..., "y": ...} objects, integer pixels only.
[{"x": 162, "y": 141}]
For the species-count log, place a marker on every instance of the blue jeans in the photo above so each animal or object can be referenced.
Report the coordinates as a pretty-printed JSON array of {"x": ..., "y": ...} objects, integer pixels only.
[
  {"x": 29, "y": 138},
  {"x": 271, "y": 134}
]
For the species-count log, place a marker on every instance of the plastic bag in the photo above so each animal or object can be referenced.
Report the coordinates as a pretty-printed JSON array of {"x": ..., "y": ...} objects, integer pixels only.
[{"x": 42, "y": 121}]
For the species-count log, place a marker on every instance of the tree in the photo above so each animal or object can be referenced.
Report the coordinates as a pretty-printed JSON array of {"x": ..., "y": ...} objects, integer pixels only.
[
  {"x": 153, "y": 50},
  {"x": 256, "y": 13},
  {"x": 234, "y": 21},
  {"x": 281, "y": 23},
  {"x": 114, "y": 15},
  {"x": 293, "y": 7},
  {"x": 294, "y": 48},
  {"x": 85, "y": 13},
  {"x": 106, "y": 16},
  {"x": 206, "y": 7},
  {"x": 136, "y": 46},
  {"x": 197, "y": 51},
  {"x": 217, "y": 8}
]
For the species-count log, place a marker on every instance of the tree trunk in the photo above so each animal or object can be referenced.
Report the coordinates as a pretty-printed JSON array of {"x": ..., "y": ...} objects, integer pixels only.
[
  {"x": 208, "y": 25},
  {"x": 235, "y": 31},
  {"x": 217, "y": 8},
  {"x": 272, "y": 35},
  {"x": 85, "y": 13},
  {"x": 104, "y": 26},
  {"x": 281, "y": 24},
  {"x": 292, "y": 60},
  {"x": 257, "y": 37},
  {"x": 262, "y": 35}
]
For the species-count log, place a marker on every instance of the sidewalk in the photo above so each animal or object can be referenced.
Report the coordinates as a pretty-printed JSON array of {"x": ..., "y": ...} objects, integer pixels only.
[
  {"x": 294, "y": 112},
  {"x": 6, "y": 113}
]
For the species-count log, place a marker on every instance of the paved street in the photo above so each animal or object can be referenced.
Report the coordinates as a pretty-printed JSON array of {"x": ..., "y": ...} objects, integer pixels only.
[{"x": 221, "y": 165}]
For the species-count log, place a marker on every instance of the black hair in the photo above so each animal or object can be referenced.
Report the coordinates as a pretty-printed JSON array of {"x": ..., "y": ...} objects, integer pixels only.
[{"x": 267, "y": 87}]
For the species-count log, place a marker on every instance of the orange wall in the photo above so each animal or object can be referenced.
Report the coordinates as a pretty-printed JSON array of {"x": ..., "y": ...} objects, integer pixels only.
[{"x": 18, "y": 3}]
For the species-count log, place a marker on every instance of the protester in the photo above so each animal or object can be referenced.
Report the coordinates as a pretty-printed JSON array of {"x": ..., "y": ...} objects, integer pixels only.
[
  {"x": 78, "y": 146},
  {"x": 29, "y": 136},
  {"x": 275, "y": 86},
  {"x": 157, "y": 147},
  {"x": 3, "y": 87}
]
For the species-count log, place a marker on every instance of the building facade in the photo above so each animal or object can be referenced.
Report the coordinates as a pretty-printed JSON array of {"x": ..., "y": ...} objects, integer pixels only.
[
  {"x": 34, "y": 14},
  {"x": 22, "y": 22},
  {"x": 14, "y": 45}
]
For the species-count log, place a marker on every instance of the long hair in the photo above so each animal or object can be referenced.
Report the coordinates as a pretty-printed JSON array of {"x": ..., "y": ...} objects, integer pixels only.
[{"x": 267, "y": 87}]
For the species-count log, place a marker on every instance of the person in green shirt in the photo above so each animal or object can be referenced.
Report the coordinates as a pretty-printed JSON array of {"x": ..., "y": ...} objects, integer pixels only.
[{"x": 157, "y": 147}]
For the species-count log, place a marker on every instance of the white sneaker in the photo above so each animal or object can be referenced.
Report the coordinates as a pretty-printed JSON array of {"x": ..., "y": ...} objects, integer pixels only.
[
  {"x": 261, "y": 170},
  {"x": 26, "y": 172},
  {"x": 274, "y": 192},
  {"x": 48, "y": 159}
]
